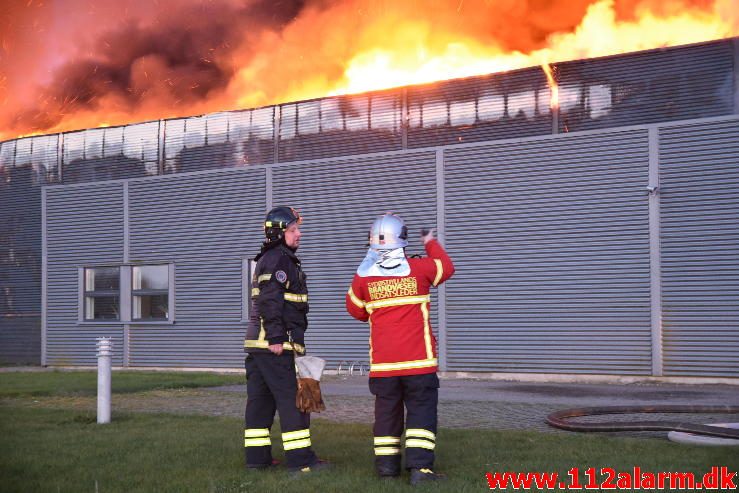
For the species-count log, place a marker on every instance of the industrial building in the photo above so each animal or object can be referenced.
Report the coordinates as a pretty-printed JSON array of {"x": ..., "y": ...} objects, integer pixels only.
[{"x": 597, "y": 236}]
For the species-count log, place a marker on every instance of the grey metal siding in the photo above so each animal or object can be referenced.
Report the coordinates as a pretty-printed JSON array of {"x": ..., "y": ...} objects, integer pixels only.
[
  {"x": 25, "y": 166},
  {"x": 20, "y": 338},
  {"x": 550, "y": 239},
  {"x": 204, "y": 223},
  {"x": 549, "y": 235},
  {"x": 339, "y": 200},
  {"x": 207, "y": 331},
  {"x": 20, "y": 262},
  {"x": 699, "y": 180},
  {"x": 84, "y": 227}
]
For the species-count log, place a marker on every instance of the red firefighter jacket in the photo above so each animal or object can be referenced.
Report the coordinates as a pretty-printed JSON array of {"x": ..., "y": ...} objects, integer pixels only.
[{"x": 397, "y": 308}]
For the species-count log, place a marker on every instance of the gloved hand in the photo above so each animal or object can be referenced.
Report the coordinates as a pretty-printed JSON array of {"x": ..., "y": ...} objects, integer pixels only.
[
  {"x": 427, "y": 235},
  {"x": 308, "y": 398},
  {"x": 275, "y": 348}
]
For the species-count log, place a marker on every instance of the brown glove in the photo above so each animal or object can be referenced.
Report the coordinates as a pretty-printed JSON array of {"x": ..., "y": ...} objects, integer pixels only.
[
  {"x": 315, "y": 388},
  {"x": 303, "y": 397},
  {"x": 308, "y": 398}
]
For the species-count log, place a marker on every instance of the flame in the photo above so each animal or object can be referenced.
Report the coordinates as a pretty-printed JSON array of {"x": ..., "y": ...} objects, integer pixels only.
[
  {"x": 317, "y": 49},
  {"x": 599, "y": 34},
  {"x": 32, "y": 134},
  {"x": 553, "y": 87}
]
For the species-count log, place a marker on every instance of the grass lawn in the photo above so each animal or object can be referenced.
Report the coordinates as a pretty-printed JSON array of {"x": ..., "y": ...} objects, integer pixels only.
[
  {"x": 16, "y": 384},
  {"x": 62, "y": 450}
]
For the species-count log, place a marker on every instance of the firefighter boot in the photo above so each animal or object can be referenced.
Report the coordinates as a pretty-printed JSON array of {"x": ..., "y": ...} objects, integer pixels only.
[
  {"x": 421, "y": 475},
  {"x": 387, "y": 466},
  {"x": 318, "y": 466}
]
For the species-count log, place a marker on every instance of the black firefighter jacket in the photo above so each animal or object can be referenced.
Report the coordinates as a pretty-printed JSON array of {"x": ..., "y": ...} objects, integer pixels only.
[{"x": 279, "y": 302}]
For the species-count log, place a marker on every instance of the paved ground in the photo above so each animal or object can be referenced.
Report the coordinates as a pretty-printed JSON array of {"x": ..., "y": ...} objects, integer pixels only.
[
  {"x": 464, "y": 403},
  {"x": 516, "y": 405}
]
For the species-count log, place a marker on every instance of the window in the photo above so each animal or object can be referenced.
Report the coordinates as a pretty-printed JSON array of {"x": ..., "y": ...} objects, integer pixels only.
[
  {"x": 150, "y": 292},
  {"x": 128, "y": 294},
  {"x": 102, "y": 293}
]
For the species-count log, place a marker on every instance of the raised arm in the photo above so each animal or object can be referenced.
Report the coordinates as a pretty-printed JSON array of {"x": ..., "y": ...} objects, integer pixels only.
[{"x": 444, "y": 268}]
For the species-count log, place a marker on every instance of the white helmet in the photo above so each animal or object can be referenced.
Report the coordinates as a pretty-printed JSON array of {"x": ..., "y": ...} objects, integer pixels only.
[{"x": 388, "y": 232}]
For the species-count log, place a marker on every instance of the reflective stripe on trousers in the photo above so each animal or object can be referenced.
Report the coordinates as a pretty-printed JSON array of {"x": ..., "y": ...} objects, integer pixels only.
[
  {"x": 257, "y": 437},
  {"x": 387, "y": 445},
  {"x": 420, "y": 438},
  {"x": 292, "y": 440}
]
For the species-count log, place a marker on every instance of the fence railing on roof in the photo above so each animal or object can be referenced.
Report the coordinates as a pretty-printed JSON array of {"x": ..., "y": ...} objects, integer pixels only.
[{"x": 653, "y": 86}]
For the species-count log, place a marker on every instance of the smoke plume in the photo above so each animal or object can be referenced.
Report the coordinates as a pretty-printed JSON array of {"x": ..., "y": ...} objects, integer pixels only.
[{"x": 69, "y": 64}]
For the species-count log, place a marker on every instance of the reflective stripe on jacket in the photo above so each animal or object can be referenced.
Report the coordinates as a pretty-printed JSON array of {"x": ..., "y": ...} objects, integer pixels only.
[{"x": 279, "y": 302}]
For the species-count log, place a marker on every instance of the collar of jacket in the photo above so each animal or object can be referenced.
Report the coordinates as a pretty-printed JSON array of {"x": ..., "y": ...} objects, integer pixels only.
[
  {"x": 267, "y": 246},
  {"x": 284, "y": 249},
  {"x": 290, "y": 253}
]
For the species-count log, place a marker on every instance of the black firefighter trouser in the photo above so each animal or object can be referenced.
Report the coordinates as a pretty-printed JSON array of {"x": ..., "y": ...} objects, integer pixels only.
[
  {"x": 420, "y": 394},
  {"x": 270, "y": 385}
]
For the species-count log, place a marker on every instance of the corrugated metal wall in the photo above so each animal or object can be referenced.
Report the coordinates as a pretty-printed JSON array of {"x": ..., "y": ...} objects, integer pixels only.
[
  {"x": 204, "y": 223},
  {"x": 84, "y": 227},
  {"x": 25, "y": 166},
  {"x": 551, "y": 239},
  {"x": 339, "y": 201},
  {"x": 699, "y": 196}
]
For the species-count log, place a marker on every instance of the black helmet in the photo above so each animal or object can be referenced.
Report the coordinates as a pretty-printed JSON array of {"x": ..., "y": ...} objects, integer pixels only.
[{"x": 277, "y": 221}]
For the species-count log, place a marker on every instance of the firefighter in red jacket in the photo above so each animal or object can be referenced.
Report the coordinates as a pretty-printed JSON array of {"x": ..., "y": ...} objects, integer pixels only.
[{"x": 391, "y": 291}]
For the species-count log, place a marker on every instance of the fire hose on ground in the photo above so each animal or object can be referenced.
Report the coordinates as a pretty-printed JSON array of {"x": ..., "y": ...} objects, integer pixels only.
[{"x": 558, "y": 419}]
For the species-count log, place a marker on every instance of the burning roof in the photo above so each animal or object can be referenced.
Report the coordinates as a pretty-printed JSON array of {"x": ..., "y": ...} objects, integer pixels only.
[{"x": 74, "y": 64}]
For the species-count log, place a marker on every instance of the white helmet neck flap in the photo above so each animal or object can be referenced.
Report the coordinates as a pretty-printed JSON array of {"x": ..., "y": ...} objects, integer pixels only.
[
  {"x": 384, "y": 263},
  {"x": 386, "y": 255}
]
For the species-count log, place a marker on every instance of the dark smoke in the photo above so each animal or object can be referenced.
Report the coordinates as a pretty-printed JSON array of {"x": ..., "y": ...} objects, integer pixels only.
[{"x": 181, "y": 58}]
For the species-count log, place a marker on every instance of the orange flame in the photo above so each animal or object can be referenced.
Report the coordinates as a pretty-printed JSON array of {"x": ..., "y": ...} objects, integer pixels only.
[
  {"x": 599, "y": 34},
  {"x": 413, "y": 55},
  {"x": 32, "y": 134},
  {"x": 352, "y": 46},
  {"x": 553, "y": 87}
]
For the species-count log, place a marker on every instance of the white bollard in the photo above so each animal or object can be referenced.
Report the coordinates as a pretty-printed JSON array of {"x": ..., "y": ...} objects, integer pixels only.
[{"x": 105, "y": 346}]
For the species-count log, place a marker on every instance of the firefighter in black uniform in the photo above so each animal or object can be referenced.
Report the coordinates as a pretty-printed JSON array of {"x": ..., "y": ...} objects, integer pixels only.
[{"x": 277, "y": 323}]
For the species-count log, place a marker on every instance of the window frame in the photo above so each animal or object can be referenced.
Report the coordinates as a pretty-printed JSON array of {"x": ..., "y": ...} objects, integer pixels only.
[
  {"x": 126, "y": 294},
  {"x": 151, "y": 292},
  {"x": 84, "y": 294}
]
